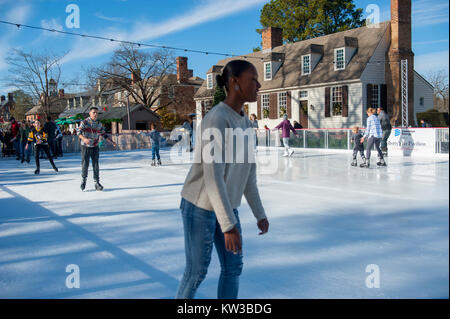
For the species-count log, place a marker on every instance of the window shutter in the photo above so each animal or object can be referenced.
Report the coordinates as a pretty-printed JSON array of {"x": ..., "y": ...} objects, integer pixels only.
[
  {"x": 273, "y": 106},
  {"x": 288, "y": 104},
  {"x": 259, "y": 107},
  {"x": 327, "y": 102},
  {"x": 383, "y": 97},
  {"x": 345, "y": 101},
  {"x": 369, "y": 95}
]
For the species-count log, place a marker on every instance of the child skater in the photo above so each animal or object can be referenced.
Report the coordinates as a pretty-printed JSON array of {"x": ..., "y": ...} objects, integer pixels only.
[
  {"x": 39, "y": 138},
  {"x": 155, "y": 137},
  {"x": 358, "y": 146}
]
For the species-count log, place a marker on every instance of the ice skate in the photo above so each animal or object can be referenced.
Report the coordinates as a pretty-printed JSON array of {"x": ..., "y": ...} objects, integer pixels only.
[
  {"x": 354, "y": 163},
  {"x": 291, "y": 152},
  {"x": 153, "y": 163},
  {"x": 98, "y": 186},
  {"x": 37, "y": 171},
  {"x": 83, "y": 184},
  {"x": 381, "y": 162},
  {"x": 285, "y": 154},
  {"x": 366, "y": 163},
  {"x": 159, "y": 162}
]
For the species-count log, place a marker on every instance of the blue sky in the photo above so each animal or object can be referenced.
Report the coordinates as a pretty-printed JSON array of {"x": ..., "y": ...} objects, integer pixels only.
[{"x": 222, "y": 26}]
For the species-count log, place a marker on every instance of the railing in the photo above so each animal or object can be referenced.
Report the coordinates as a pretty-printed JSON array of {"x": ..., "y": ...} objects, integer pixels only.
[
  {"x": 132, "y": 141},
  {"x": 310, "y": 138},
  {"x": 442, "y": 140},
  {"x": 338, "y": 139}
]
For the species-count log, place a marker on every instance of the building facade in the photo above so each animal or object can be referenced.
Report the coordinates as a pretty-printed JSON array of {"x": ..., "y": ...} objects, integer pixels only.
[{"x": 330, "y": 81}]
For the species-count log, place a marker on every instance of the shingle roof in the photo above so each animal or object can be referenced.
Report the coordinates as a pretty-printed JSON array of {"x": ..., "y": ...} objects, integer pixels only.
[
  {"x": 121, "y": 112},
  {"x": 289, "y": 75}
]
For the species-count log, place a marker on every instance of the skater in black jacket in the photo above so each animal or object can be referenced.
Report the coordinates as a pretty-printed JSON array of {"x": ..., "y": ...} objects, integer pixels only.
[
  {"x": 358, "y": 146},
  {"x": 39, "y": 138}
]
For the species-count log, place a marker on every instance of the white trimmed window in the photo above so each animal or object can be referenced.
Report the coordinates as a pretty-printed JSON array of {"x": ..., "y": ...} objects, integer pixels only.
[
  {"x": 336, "y": 101},
  {"x": 339, "y": 59},
  {"x": 209, "y": 81},
  {"x": 282, "y": 103},
  {"x": 375, "y": 98},
  {"x": 265, "y": 101},
  {"x": 303, "y": 94},
  {"x": 267, "y": 71},
  {"x": 306, "y": 64}
]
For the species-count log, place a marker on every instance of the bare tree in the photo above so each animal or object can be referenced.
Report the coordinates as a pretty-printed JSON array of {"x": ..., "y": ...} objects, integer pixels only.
[
  {"x": 32, "y": 73},
  {"x": 439, "y": 79},
  {"x": 143, "y": 76}
]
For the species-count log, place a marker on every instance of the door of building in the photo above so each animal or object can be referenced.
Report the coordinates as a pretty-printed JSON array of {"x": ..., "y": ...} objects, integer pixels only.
[{"x": 304, "y": 114}]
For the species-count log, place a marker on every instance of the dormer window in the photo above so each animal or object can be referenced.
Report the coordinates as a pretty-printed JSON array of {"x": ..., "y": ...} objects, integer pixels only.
[
  {"x": 339, "y": 59},
  {"x": 209, "y": 81},
  {"x": 267, "y": 71},
  {"x": 306, "y": 64}
]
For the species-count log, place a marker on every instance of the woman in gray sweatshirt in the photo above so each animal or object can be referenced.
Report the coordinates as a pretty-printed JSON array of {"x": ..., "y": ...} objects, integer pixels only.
[{"x": 216, "y": 183}]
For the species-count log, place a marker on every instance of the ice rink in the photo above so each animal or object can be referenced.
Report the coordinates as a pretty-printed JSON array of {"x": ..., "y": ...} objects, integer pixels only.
[{"x": 328, "y": 222}]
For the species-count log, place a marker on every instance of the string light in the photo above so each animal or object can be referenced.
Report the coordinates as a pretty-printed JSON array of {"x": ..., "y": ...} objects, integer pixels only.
[{"x": 139, "y": 44}]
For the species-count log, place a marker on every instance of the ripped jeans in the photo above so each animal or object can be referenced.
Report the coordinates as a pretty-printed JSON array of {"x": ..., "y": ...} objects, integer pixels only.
[{"x": 201, "y": 231}]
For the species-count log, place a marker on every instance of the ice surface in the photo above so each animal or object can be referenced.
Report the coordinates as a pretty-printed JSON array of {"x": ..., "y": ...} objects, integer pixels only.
[{"x": 328, "y": 222}]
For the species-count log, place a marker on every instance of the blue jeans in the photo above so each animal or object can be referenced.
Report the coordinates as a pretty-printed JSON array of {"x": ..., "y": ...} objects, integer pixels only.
[
  {"x": 201, "y": 231},
  {"x": 16, "y": 145},
  {"x": 155, "y": 151},
  {"x": 25, "y": 154}
]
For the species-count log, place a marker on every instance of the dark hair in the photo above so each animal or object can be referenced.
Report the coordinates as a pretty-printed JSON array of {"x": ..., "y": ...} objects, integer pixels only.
[
  {"x": 49, "y": 118},
  {"x": 93, "y": 108},
  {"x": 233, "y": 68}
]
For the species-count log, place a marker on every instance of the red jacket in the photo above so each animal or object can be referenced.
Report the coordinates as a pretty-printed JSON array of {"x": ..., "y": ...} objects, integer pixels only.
[{"x": 14, "y": 129}]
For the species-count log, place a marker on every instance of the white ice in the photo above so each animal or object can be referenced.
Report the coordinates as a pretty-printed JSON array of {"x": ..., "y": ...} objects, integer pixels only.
[{"x": 328, "y": 222}]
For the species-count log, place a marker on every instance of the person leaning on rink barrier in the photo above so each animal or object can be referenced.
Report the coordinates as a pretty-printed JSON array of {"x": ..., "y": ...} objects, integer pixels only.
[{"x": 213, "y": 190}]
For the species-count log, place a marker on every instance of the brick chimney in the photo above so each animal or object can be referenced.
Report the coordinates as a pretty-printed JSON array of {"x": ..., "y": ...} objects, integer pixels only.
[
  {"x": 11, "y": 97},
  {"x": 183, "y": 73},
  {"x": 135, "y": 77},
  {"x": 2, "y": 98},
  {"x": 399, "y": 49},
  {"x": 271, "y": 37}
]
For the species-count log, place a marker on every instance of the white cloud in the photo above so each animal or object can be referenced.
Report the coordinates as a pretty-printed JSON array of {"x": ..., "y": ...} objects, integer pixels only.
[
  {"x": 52, "y": 24},
  {"x": 111, "y": 19},
  {"x": 17, "y": 14},
  {"x": 144, "y": 31},
  {"x": 428, "y": 12},
  {"x": 431, "y": 62},
  {"x": 431, "y": 42}
]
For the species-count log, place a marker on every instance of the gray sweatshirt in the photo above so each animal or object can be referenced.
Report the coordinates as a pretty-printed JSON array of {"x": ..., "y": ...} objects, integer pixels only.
[{"x": 217, "y": 186}]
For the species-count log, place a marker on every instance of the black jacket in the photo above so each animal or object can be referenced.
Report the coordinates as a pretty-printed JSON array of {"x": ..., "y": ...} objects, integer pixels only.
[
  {"x": 50, "y": 129},
  {"x": 356, "y": 138},
  {"x": 384, "y": 121}
]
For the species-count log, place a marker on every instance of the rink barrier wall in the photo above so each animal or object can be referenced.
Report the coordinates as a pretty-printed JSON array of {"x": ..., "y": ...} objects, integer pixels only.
[
  {"x": 413, "y": 141},
  {"x": 402, "y": 142}
]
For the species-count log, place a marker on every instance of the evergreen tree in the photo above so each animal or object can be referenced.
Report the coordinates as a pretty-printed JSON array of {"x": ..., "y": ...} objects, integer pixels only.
[
  {"x": 306, "y": 19},
  {"x": 219, "y": 95}
]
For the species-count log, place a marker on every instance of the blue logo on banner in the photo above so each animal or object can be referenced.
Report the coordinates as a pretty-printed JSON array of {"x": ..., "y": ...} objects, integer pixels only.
[{"x": 397, "y": 132}]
